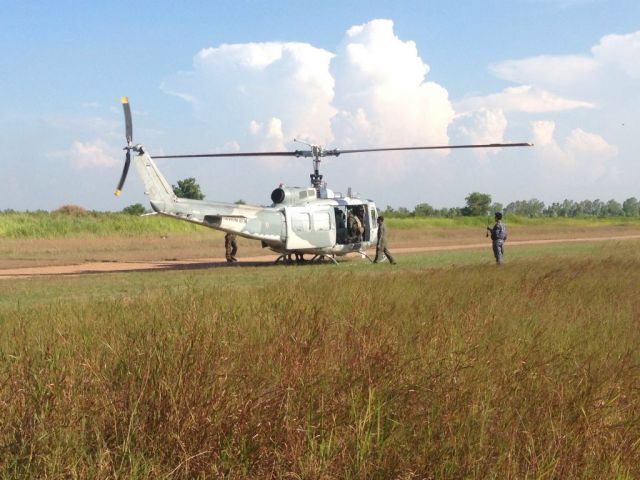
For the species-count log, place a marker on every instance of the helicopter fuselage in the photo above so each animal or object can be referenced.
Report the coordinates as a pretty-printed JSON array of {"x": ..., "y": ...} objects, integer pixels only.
[{"x": 298, "y": 221}]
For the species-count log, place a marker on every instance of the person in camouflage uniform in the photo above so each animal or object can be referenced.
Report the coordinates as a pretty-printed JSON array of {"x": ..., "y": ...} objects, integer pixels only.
[
  {"x": 381, "y": 244},
  {"x": 230, "y": 247},
  {"x": 498, "y": 237},
  {"x": 354, "y": 228}
]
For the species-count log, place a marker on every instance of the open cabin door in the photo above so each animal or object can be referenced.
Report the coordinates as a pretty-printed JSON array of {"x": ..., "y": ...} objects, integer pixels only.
[{"x": 310, "y": 227}]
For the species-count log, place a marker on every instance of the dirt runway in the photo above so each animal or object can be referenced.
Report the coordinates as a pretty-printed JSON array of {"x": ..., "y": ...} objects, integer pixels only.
[{"x": 262, "y": 260}]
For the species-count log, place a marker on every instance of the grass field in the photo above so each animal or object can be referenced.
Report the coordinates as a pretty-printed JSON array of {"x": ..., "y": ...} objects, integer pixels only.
[
  {"x": 443, "y": 367},
  {"x": 28, "y": 240}
]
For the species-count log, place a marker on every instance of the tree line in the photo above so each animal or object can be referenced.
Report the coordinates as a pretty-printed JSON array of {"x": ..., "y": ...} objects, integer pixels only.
[{"x": 479, "y": 204}]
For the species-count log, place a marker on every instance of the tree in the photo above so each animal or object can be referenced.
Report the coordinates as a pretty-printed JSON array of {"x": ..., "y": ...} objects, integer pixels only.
[
  {"x": 527, "y": 208},
  {"x": 631, "y": 207},
  {"x": 188, "y": 188},
  {"x": 423, "y": 210},
  {"x": 614, "y": 209},
  {"x": 388, "y": 211},
  {"x": 496, "y": 207},
  {"x": 477, "y": 204},
  {"x": 135, "y": 209},
  {"x": 402, "y": 212}
]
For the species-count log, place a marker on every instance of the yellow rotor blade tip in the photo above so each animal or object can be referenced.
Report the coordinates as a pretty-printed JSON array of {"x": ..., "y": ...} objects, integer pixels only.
[
  {"x": 117, "y": 194},
  {"x": 124, "y": 100}
]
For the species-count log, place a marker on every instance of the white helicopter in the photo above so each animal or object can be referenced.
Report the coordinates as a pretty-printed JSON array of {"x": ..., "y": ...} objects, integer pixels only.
[{"x": 309, "y": 220}]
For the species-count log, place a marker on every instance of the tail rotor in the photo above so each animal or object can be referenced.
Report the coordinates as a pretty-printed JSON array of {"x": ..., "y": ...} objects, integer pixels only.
[{"x": 129, "y": 136}]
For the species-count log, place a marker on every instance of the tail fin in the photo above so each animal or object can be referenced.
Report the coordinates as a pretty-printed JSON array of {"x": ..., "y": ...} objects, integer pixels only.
[{"x": 155, "y": 185}]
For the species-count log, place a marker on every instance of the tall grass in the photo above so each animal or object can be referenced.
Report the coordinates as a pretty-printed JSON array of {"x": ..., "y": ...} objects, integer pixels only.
[
  {"x": 40, "y": 225},
  {"x": 64, "y": 224},
  {"x": 466, "y": 222},
  {"x": 524, "y": 371}
]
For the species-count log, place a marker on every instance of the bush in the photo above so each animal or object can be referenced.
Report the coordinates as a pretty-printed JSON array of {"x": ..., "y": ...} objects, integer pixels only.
[
  {"x": 135, "y": 209},
  {"x": 74, "y": 210}
]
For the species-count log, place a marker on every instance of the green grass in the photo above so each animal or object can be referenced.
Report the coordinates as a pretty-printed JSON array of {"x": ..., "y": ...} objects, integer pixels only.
[
  {"x": 44, "y": 225},
  {"x": 479, "y": 222},
  {"x": 59, "y": 225},
  {"x": 43, "y": 290},
  {"x": 443, "y": 367}
]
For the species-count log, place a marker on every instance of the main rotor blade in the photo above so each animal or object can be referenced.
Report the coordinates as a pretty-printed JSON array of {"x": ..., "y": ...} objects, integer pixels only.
[
  {"x": 439, "y": 147},
  {"x": 127, "y": 119},
  {"x": 123, "y": 177},
  {"x": 249, "y": 154},
  {"x": 336, "y": 152}
]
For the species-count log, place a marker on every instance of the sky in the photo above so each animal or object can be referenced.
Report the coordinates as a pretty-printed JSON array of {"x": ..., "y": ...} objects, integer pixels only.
[{"x": 245, "y": 76}]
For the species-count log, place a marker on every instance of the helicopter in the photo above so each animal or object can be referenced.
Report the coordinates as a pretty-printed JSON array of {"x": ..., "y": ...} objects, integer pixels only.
[{"x": 301, "y": 220}]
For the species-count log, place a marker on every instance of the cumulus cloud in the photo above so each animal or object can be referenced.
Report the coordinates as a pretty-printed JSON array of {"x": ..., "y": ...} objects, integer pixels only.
[
  {"x": 382, "y": 94},
  {"x": 524, "y": 98},
  {"x": 260, "y": 95},
  {"x": 374, "y": 90},
  {"x": 620, "y": 51},
  {"x": 546, "y": 70},
  {"x": 582, "y": 154},
  {"x": 481, "y": 126},
  {"x": 90, "y": 154},
  {"x": 609, "y": 62}
]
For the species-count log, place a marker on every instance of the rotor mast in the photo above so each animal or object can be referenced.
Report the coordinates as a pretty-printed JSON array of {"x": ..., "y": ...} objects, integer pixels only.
[
  {"x": 316, "y": 178},
  {"x": 315, "y": 152}
]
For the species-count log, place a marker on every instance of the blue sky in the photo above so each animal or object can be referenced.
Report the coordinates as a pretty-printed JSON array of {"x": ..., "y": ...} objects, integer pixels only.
[{"x": 243, "y": 76}]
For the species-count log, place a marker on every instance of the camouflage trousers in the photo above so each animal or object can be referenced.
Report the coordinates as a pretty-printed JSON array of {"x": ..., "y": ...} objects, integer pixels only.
[
  {"x": 231, "y": 248},
  {"x": 498, "y": 250},
  {"x": 381, "y": 253}
]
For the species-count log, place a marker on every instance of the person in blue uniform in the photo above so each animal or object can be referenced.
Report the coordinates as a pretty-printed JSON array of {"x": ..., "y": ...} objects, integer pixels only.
[{"x": 498, "y": 236}]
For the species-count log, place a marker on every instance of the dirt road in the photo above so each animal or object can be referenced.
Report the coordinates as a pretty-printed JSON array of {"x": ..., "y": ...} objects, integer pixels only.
[{"x": 262, "y": 260}]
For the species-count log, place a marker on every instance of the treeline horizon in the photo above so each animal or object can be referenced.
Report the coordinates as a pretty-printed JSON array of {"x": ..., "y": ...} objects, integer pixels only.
[{"x": 477, "y": 204}]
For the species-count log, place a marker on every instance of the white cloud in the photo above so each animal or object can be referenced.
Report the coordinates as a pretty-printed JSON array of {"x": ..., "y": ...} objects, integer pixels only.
[
  {"x": 234, "y": 88},
  {"x": 546, "y": 70},
  {"x": 90, "y": 154},
  {"x": 620, "y": 51},
  {"x": 613, "y": 59},
  {"x": 524, "y": 98},
  {"x": 382, "y": 94},
  {"x": 583, "y": 155},
  {"x": 481, "y": 126},
  {"x": 375, "y": 91}
]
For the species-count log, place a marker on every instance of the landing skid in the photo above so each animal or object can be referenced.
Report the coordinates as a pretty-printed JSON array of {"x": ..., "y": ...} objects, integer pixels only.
[
  {"x": 298, "y": 259},
  {"x": 322, "y": 258},
  {"x": 363, "y": 254}
]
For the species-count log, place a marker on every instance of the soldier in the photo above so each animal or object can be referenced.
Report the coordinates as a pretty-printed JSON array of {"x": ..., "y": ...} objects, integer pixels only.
[
  {"x": 498, "y": 237},
  {"x": 381, "y": 244},
  {"x": 230, "y": 247},
  {"x": 358, "y": 228},
  {"x": 354, "y": 228},
  {"x": 341, "y": 227}
]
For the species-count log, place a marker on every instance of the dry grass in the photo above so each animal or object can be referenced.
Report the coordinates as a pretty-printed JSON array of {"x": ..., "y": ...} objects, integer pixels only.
[
  {"x": 207, "y": 243},
  {"x": 526, "y": 371}
]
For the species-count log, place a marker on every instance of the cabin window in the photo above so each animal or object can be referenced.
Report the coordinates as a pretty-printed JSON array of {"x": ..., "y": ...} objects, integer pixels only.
[
  {"x": 303, "y": 195},
  {"x": 321, "y": 222},
  {"x": 373, "y": 216},
  {"x": 300, "y": 222}
]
